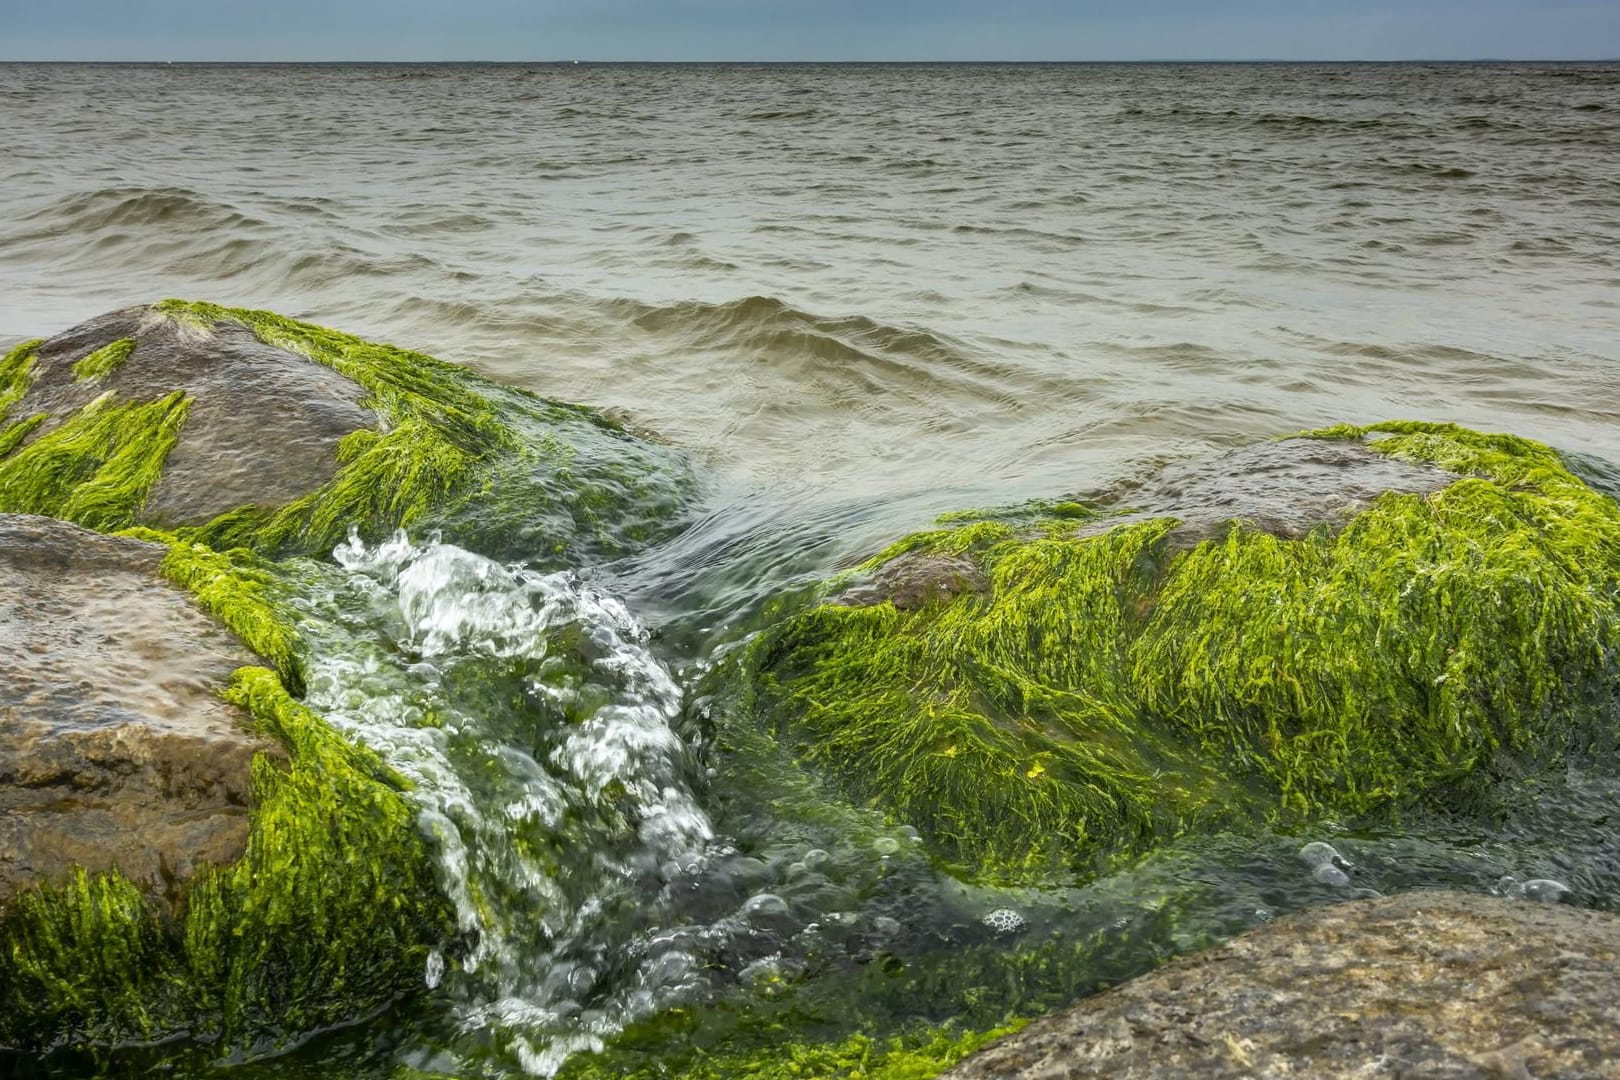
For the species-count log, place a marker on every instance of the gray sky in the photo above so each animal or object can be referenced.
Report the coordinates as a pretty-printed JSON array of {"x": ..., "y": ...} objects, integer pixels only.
[{"x": 805, "y": 29}]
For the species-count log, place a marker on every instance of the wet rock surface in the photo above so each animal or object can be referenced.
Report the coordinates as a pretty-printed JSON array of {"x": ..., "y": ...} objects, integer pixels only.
[
  {"x": 262, "y": 428},
  {"x": 1286, "y": 487},
  {"x": 1426, "y": 984},
  {"x": 115, "y": 749},
  {"x": 916, "y": 579}
]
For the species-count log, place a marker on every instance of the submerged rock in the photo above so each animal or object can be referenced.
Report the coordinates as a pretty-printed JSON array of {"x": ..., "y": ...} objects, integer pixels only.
[
  {"x": 1426, "y": 984},
  {"x": 245, "y": 428},
  {"x": 116, "y": 749},
  {"x": 1335, "y": 625}
]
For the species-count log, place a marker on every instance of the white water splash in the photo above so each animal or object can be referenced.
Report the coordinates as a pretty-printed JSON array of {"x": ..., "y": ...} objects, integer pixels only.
[{"x": 534, "y": 725}]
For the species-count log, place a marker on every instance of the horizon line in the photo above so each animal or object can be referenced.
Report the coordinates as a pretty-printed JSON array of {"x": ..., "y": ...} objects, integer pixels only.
[{"x": 582, "y": 61}]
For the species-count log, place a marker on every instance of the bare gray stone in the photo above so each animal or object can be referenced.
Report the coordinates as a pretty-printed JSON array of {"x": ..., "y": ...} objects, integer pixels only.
[
  {"x": 1425, "y": 984},
  {"x": 115, "y": 748}
]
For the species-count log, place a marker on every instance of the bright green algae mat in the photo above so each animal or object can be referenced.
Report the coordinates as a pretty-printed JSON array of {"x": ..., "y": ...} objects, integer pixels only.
[
  {"x": 1110, "y": 692},
  {"x": 493, "y": 467}
]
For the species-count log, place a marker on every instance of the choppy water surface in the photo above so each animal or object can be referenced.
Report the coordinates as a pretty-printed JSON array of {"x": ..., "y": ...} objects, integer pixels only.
[{"x": 863, "y": 295}]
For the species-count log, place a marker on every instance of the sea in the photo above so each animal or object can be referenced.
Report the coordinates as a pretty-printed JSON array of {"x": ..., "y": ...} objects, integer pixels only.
[{"x": 858, "y": 296}]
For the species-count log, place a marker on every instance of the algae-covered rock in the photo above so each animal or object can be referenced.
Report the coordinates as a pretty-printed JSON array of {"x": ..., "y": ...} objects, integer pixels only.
[
  {"x": 1428, "y": 983},
  {"x": 1337, "y": 625},
  {"x": 184, "y": 848},
  {"x": 115, "y": 747},
  {"x": 245, "y": 428}
]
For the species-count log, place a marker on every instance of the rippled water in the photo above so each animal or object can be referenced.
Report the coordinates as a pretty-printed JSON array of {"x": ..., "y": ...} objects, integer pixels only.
[
  {"x": 873, "y": 279},
  {"x": 864, "y": 295}
]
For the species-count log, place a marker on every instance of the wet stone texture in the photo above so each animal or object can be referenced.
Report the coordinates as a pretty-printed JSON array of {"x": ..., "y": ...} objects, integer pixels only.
[
  {"x": 1426, "y": 984},
  {"x": 916, "y": 579},
  {"x": 1286, "y": 487},
  {"x": 115, "y": 749},
  {"x": 263, "y": 425}
]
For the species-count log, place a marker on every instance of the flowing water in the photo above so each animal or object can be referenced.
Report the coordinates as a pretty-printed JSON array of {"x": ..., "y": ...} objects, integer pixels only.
[{"x": 860, "y": 296}]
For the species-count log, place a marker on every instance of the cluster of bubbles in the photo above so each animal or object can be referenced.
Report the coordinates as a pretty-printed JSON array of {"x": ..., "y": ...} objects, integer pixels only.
[{"x": 1328, "y": 867}]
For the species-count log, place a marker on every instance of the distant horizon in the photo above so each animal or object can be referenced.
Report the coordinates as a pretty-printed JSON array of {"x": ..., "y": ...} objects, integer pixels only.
[
  {"x": 810, "y": 62},
  {"x": 830, "y": 32}
]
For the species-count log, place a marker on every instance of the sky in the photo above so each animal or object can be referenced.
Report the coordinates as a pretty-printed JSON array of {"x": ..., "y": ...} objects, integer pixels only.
[{"x": 538, "y": 30}]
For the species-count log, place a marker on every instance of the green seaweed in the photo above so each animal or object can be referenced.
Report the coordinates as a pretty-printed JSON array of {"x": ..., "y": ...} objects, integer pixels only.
[
  {"x": 97, "y": 467},
  {"x": 915, "y": 1055},
  {"x": 239, "y": 589},
  {"x": 16, "y": 374},
  {"x": 103, "y": 361},
  {"x": 332, "y": 909},
  {"x": 1110, "y": 692},
  {"x": 85, "y": 960}
]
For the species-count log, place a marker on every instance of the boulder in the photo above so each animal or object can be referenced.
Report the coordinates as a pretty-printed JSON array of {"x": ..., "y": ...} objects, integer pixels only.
[
  {"x": 1428, "y": 983},
  {"x": 116, "y": 749},
  {"x": 1337, "y": 625},
  {"x": 246, "y": 428}
]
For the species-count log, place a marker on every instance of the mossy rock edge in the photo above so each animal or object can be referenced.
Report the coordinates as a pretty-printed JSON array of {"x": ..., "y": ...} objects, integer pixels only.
[{"x": 1045, "y": 695}]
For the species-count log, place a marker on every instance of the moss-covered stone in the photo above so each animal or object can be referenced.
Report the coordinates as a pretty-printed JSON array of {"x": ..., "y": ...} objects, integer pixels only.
[
  {"x": 327, "y": 916},
  {"x": 1117, "y": 682},
  {"x": 176, "y": 417},
  {"x": 238, "y": 887}
]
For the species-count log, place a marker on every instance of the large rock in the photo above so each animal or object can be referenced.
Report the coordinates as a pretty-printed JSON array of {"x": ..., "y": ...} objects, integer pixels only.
[
  {"x": 262, "y": 428},
  {"x": 1426, "y": 984},
  {"x": 1339, "y": 625},
  {"x": 116, "y": 749},
  {"x": 246, "y": 428}
]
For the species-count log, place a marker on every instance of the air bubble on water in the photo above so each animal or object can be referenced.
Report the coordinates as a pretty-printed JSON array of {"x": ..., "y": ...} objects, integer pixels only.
[
  {"x": 815, "y": 859},
  {"x": 1004, "y": 921},
  {"x": 765, "y": 906},
  {"x": 885, "y": 845},
  {"x": 885, "y": 926},
  {"x": 1316, "y": 854},
  {"x": 1545, "y": 890},
  {"x": 435, "y": 970},
  {"x": 1328, "y": 874}
]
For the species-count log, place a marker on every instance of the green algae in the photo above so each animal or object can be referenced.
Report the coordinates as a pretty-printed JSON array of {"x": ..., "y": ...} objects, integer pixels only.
[
  {"x": 86, "y": 960},
  {"x": 102, "y": 362},
  {"x": 1111, "y": 691},
  {"x": 916, "y": 1055},
  {"x": 241, "y": 590},
  {"x": 328, "y": 915},
  {"x": 16, "y": 374},
  {"x": 332, "y": 910},
  {"x": 98, "y": 466}
]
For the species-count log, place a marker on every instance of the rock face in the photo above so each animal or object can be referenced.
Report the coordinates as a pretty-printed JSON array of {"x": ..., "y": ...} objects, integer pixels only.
[
  {"x": 1430, "y": 984},
  {"x": 248, "y": 429},
  {"x": 1333, "y": 625},
  {"x": 115, "y": 747},
  {"x": 1286, "y": 488},
  {"x": 262, "y": 427}
]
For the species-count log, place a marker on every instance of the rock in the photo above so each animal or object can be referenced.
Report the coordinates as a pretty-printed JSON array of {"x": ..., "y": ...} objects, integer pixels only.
[
  {"x": 1427, "y": 983},
  {"x": 262, "y": 428},
  {"x": 1285, "y": 487},
  {"x": 914, "y": 580},
  {"x": 1339, "y": 625},
  {"x": 115, "y": 747},
  {"x": 249, "y": 429}
]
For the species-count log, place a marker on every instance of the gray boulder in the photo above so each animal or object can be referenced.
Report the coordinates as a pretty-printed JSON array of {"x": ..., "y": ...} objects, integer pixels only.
[{"x": 1426, "y": 984}]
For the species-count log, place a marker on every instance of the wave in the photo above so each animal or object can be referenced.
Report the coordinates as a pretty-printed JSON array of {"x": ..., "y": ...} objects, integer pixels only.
[{"x": 132, "y": 207}]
